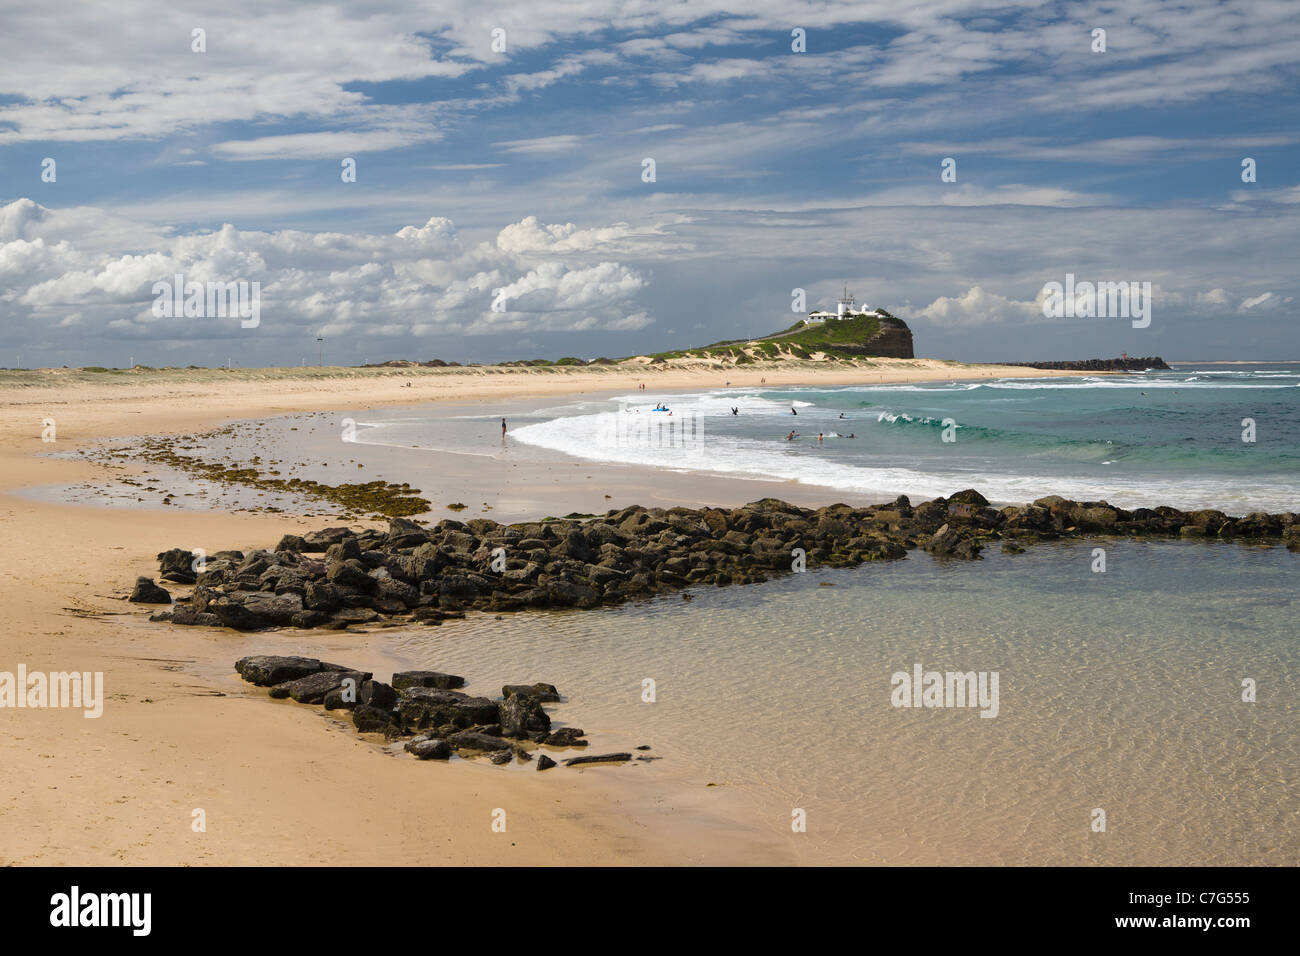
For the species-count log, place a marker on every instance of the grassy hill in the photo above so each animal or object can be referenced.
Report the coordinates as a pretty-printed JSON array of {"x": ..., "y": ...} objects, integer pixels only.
[{"x": 854, "y": 337}]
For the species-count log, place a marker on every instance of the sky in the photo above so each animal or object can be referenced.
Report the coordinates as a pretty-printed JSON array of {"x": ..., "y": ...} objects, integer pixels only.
[{"x": 546, "y": 178}]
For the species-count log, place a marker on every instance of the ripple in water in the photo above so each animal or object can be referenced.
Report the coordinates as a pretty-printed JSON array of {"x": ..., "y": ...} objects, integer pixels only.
[{"x": 1118, "y": 690}]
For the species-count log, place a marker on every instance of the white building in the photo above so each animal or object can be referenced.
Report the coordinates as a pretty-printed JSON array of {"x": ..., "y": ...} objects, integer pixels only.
[{"x": 845, "y": 310}]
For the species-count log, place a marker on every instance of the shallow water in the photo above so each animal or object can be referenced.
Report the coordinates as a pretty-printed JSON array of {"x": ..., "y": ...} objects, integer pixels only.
[{"x": 1118, "y": 690}]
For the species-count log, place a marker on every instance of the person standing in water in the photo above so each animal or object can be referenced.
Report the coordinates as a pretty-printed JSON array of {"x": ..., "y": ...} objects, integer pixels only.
[{"x": 503, "y": 428}]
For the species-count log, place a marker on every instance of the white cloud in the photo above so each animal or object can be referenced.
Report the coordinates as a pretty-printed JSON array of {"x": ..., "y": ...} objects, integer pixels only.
[
  {"x": 418, "y": 278},
  {"x": 977, "y": 306}
]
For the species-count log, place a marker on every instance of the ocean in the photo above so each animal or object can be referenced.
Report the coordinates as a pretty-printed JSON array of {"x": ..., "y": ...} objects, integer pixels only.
[{"x": 1174, "y": 438}]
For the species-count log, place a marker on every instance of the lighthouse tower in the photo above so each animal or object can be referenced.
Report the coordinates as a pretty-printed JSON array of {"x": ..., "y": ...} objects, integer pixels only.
[{"x": 846, "y": 304}]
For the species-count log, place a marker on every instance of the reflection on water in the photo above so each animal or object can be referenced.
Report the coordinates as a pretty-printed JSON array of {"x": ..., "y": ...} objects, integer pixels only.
[{"x": 1118, "y": 690}]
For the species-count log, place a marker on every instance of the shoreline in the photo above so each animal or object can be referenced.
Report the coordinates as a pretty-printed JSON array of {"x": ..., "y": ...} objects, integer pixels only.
[{"x": 273, "y": 787}]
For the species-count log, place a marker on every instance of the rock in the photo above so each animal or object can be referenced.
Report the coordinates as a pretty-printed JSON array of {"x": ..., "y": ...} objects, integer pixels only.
[
  {"x": 177, "y": 565},
  {"x": 543, "y": 692},
  {"x": 405, "y": 533},
  {"x": 422, "y": 707},
  {"x": 566, "y": 737},
  {"x": 470, "y": 740},
  {"x": 266, "y": 670},
  {"x": 427, "y": 575},
  {"x": 521, "y": 715},
  {"x": 348, "y": 549},
  {"x": 312, "y": 688},
  {"x": 334, "y": 700},
  {"x": 309, "y": 619},
  {"x": 319, "y": 541},
  {"x": 378, "y": 694},
  {"x": 351, "y": 575},
  {"x": 499, "y": 757},
  {"x": 234, "y": 614},
  {"x": 146, "y": 592},
  {"x": 291, "y": 542},
  {"x": 544, "y": 762},
  {"x": 598, "y": 758},
  {"x": 370, "y": 720},
  {"x": 404, "y": 679},
  {"x": 428, "y": 748},
  {"x": 952, "y": 542},
  {"x": 275, "y": 609}
]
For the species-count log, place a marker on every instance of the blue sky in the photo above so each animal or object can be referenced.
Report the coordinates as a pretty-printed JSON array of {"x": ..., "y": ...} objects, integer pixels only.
[{"x": 521, "y": 170}]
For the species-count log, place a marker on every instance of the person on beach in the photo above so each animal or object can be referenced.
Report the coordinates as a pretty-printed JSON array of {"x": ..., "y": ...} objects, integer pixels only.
[
  {"x": 735, "y": 410},
  {"x": 792, "y": 411},
  {"x": 503, "y": 428}
]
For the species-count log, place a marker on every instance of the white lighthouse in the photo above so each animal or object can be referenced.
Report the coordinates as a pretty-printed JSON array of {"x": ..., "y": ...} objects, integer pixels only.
[
  {"x": 847, "y": 309},
  {"x": 846, "y": 304}
]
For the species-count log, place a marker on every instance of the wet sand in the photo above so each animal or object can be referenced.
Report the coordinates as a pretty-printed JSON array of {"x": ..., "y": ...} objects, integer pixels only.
[{"x": 280, "y": 783}]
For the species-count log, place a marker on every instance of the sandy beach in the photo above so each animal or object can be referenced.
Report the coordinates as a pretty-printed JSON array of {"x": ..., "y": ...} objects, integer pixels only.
[{"x": 180, "y": 732}]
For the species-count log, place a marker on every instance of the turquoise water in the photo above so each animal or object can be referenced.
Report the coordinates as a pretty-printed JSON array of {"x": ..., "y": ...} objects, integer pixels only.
[{"x": 1136, "y": 440}]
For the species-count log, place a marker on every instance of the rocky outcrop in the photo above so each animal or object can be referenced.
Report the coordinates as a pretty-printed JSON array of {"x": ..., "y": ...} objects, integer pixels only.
[
  {"x": 1150, "y": 363},
  {"x": 435, "y": 721},
  {"x": 412, "y": 574}
]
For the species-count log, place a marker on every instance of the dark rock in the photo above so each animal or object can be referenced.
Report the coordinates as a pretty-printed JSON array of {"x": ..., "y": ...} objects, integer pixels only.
[
  {"x": 598, "y": 758},
  {"x": 319, "y": 541},
  {"x": 291, "y": 542},
  {"x": 428, "y": 748},
  {"x": 544, "y": 762},
  {"x": 146, "y": 592},
  {"x": 422, "y": 707},
  {"x": 351, "y": 575},
  {"x": 349, "y": 616},
  {"x": 273, "y": 609},
  {"x": 470, "y": 740},
  {"x": 266, "y": 670},
  {"x": 312, "y": 688},
  {"x": 369, "y": 720},
  {"x": 543, "y": 692},
  {"x": 522, "y": 715},
  {"x": 177, "y": 565},
  {"x": 566, "y": 737},
  {"x": 952, "y": 542},
  {"x": 404, "y": 679}
]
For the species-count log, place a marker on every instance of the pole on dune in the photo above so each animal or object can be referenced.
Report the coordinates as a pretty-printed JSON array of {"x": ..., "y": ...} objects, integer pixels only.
[{"x": 320, "y": 354}]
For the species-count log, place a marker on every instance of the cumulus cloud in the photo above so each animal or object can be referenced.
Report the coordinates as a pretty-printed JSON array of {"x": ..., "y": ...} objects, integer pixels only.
[
  {"x": 978, "y": 306},
  {"x": 418, "y": 280}
]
